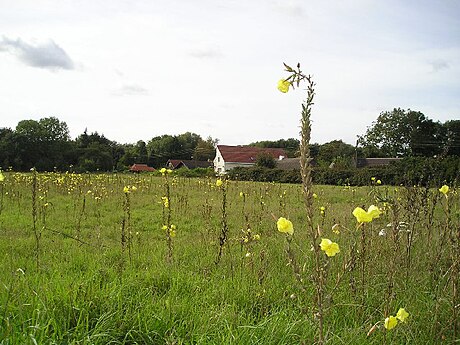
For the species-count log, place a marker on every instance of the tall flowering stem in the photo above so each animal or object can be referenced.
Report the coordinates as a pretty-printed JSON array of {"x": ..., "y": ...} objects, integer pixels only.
[
  {"x": 294, "y": 80},
  {"x": 224, "y": 230},
  {"x": 167, "y": 213},
  {"x": 37, "y": 232}
]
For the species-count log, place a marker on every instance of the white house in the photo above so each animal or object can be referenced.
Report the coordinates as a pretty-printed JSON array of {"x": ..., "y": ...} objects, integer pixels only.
[{"x": 229, "y": 157}]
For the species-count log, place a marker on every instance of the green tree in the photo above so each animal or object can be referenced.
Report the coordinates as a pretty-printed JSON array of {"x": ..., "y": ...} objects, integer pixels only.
[
  {"x": 400, "y": 133},
  {"x": 96, "y": 152},
  {"x": 291, "y": 145},
  {"x": 265, "y": 160},
  {"x": 7, "y": 148},
  {"x": 452, "y": 144},
  {"x": 337, "y": 152},
  {"x": 205, "y": 149}
]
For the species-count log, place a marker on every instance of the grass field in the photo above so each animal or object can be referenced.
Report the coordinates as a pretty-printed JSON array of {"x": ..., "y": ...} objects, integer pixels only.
[{"x": 83, "y": 262}]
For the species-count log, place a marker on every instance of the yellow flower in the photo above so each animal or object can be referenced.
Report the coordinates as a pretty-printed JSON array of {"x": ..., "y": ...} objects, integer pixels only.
[
  {"x": 126, "y": 190},
  {"x": 283, "y": 85},
  {"x": 444, "y": 190},
  {"x": 402, "y": 315},
  {"x": 374, "y": 211},
  {"x": 285, "y": 225},
  {"x": 329, "y": 247},
  {"x": 134, "y": 188},
  {"x": 241, "y": 194},
  {"x": 165, "y": 201},
  {"x": 390, "y": 322},
  {"x": 219, "y": 182},
  {"x": 366, "y": 217},
  {"x": 322, "y": 208},
  {"x": 2, "y": 178},
  {"x": 164, "y": 227},
  {"x": 256, "y": 237},
  {"x": 315, "y": 195},
  {"x": 169, "y": 171},
  {"x": 379, "y": 182},
  {"x": 163, "y": 171},
  {"x": 372, "y": 178},
  {"x": 172, "y": 233}
]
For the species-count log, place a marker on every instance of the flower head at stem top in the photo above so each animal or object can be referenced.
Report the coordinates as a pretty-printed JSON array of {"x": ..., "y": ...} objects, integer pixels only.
[
  {"x": 402, "y": 315},
  {"x": 366, "y": 217},
  {"x": 390, "y": 322},
  {"x": 283, "y": 85},
  {"x": 444, "y": 190},
  {"x": 285, "y": 225},
  {"x": 329, "y": 247}
]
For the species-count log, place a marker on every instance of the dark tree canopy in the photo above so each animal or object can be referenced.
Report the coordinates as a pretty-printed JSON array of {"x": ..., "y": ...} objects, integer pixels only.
[
  {"x": 403, "y": 133},
  {"x": 290, "y": 146}
]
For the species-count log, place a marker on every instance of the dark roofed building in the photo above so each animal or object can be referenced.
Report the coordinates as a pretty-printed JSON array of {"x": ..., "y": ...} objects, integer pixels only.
[
  {"x": 375, "y": 162},
  {"x": 189, "y": 164},
  {"x": 140, "y": 168}
]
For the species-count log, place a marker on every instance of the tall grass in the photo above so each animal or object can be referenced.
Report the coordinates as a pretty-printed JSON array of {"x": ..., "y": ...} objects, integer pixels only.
[{"x": 75, "y": 296}]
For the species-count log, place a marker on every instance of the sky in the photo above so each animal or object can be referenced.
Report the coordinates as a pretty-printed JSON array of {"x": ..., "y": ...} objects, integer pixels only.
[{"x": 133, "y": 70}]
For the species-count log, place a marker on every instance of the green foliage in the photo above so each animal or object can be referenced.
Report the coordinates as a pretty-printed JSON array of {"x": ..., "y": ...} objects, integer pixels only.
[
  {"x": 337, "y": 152},
  {"x": 291, "y": 145},
  {"x": 403, "y": 133},
  {"x": 409, "y": 171},
  {"x": 87, "y": 292},
  {"x": 265, "y": 160}
]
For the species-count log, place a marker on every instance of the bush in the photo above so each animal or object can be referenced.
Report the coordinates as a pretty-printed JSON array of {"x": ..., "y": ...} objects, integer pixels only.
[{"x": 430, "y": 172}]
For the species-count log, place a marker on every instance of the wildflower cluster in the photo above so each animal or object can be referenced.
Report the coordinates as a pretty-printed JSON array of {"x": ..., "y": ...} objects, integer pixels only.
[
  {"x": 171, "y": 230},
  {"x": 165, "y": 201},
  {"x": 165, "y": 171},
  {"x": 126, "y": 189},
  {"x": 391, "y": 321}
]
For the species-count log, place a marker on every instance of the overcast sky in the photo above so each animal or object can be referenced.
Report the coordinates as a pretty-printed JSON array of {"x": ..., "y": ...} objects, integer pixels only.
[{"x": 137, "y": 69}]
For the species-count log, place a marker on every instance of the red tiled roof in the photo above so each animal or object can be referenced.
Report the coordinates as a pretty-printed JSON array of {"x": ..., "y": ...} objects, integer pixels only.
[
  {"x": 141, "y": 167},
  {"x": 247, "y": 154}
]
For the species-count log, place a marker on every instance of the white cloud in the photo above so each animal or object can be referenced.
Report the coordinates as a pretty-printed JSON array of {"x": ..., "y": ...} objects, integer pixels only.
[
  {"x": 46, "y": 55},
  {"x": 130, "y": 90}
]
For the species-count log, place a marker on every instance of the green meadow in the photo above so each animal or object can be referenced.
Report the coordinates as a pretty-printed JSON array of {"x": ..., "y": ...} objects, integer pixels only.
[{"x": 84, "y": 260}]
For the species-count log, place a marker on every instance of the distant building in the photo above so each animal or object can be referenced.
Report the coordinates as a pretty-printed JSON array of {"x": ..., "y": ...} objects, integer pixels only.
[
  {"x": 189, "y": 164},
  {"x": 375, "y": 162},
  {"x": 140, "y": 167},
  {"x": 229, "y": 157},
  {"x": 292, "y": 163}
]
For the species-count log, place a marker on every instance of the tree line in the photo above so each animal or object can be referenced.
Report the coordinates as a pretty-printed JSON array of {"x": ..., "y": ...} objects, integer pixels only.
[{"x": 46, "y": 145}]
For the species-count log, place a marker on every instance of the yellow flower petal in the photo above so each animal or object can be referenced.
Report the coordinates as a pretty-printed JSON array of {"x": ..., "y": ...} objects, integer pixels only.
[
  {"x": 329, "y": 247},
  {"x": 444, "y": 189},
  {"x": 361, "y": 215},
  {"x": 374, "y": 211},
  {"x": 219, "y": 182},
  {"x": 2, "y": 178},
  {"x": 285, "y": 225},
  {"x": 283, "y": 85},
  {"x": 402, "y": 315},
  {"x": 390, "y": 322}
]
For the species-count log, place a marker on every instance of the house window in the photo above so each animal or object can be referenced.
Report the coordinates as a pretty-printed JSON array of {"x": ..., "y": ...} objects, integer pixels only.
[{"x": 218, "y": 159}]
